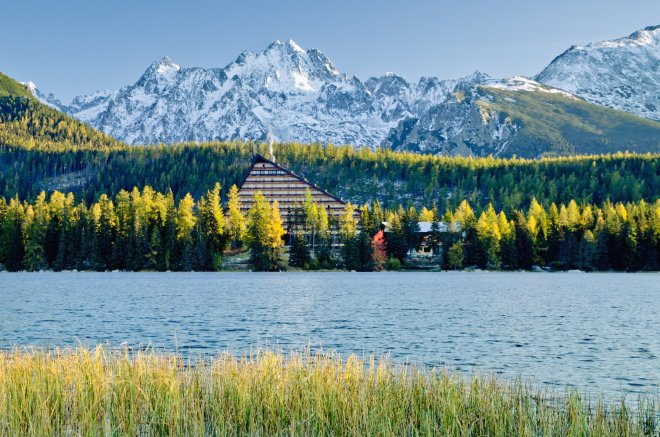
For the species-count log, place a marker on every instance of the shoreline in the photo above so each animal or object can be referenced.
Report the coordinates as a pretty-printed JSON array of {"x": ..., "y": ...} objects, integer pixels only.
[{"x": 339, "y": 271}]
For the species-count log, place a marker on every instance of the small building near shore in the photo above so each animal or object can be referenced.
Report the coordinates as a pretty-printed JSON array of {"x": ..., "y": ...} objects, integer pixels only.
[{"x": 444, "y": 229}]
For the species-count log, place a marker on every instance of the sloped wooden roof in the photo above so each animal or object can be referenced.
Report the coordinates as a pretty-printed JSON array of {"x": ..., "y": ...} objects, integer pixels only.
[{"x": 261, "y": 159}]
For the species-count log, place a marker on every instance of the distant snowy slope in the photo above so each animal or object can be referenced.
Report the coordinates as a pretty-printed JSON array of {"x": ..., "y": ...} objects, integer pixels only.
[
  {"x": 49, "y": 99},
  {"x": 623, "y": 73},
  {"x": 520, "y": 83},
  {"x": 519, "y": 116}
]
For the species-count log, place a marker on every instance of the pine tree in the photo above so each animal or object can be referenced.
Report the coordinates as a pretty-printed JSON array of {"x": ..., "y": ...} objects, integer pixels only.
[
  {"x": 396, "y": 238},
  {"x": 323, "y": 251},
  {"x": 185, "y": 223},
  {"x": 35, "y": 225},
  {"x": 34, "y": 234},
  {"x": 554, "y": 237},
  {"x": 264, "y": 235},
  {"x": 410, "y": 222},
  {"x": 507, "y": 242},
  {"x": 299, "y": 255},
  {"x": 347, "y": 223},
  {"x": 13, "y": 247},
  {"x": 350, "y": 252},
  {"x": 524, "y": 241},
  {"x": 489, "y": 237},
  {"x": 236, "y": 222},
  {"x": 123, "y": 242},
  {"x": 350, "y": 249},
  {"x": 435, "y": 235},
  {"x": 54, "y": 232},
  {"x": 155, "y": 255},
  {"x": 455, "y": 256},
  {"x": 467, "y": 219},
  {"x": 377, "y": 217},
  {"x": 276, "y": 234},
  {"x": 587, "y": 251},
  {"x": 138, "y": 238},
  {"x": 87, "y": 253},
  {"x": 169, "y": 234},
  {"x": 212, "y": 227},
  {"x": 364, "y": 253},
  {"x": 67, "y": 242},
  {"x": 311, "y": 218},
  {"x": 105, "y": 226}
]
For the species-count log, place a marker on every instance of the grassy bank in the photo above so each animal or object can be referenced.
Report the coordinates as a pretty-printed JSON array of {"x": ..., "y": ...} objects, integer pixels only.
[{"x": 100, "y": 392}]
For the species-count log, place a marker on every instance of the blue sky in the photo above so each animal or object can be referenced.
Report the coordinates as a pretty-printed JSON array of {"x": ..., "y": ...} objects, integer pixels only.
[{"x": 73, "y": 47}]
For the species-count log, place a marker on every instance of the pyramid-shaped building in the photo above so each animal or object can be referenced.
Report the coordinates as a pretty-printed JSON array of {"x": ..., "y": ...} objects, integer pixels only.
[{"x": 279, "y": 184}]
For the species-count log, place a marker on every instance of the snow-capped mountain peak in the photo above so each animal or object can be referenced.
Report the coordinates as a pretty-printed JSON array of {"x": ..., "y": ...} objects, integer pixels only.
[
  {"x": 622, "y": 73},
  {"x": 291, "y": 43},
  {"x": 48, "y": 99},
  {"x": 31, "y": 86},
  {"x": 284, "y": 66},
  {"x": 477, "y": 77},
  {"x": 165, "y": 66},
  {"x": 296, "y": 94},
  {"x": 649, "y": 37},
  {"x": 160, "y": 73}
]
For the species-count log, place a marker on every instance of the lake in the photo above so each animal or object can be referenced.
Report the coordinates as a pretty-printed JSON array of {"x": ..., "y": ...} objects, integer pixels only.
[{"x": 599, "y": 332}]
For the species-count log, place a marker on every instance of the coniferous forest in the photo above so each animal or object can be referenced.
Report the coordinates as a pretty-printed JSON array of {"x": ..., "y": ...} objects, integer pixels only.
[
  {"x": 145, "y": 229},
  {"x": 134, "y": 208}
]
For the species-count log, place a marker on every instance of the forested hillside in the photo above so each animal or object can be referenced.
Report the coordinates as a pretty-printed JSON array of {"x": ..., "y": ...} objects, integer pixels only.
[
  {"x": 359, "y": 176},
  {"x": 9, "y": 87},
  {"x": 28, "y": 124}
]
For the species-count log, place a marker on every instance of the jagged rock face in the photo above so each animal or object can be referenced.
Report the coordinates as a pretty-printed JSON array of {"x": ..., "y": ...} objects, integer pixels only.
[
  {"x": 296, "y": 94},
  {"x": 457, "y": 126},
  {"x": 622, "y": 74}
]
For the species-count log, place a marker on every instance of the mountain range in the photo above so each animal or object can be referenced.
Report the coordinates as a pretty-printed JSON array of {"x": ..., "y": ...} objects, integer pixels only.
[{"x": 601, "y": 97}]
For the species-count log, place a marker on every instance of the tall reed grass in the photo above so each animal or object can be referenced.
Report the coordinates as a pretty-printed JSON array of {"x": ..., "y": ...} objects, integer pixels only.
[{"x": 113, "y": 392}]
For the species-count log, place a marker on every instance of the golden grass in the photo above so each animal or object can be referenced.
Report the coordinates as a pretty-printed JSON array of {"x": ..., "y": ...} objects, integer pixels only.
[{"x": 113, "y": 392}]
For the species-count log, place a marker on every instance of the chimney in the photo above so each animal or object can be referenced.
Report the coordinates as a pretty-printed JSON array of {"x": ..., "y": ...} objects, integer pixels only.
[{"x": 271, "y": 140}]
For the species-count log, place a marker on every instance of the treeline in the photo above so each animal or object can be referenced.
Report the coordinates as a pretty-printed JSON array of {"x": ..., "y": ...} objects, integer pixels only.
[
  {"x": 359, "y": 176},
  {"x": 148, "y": 230},
  {"x": 137, "y": 230},
  {"x": 141, "y": 230},
  {"x": 614, "y": 236}
]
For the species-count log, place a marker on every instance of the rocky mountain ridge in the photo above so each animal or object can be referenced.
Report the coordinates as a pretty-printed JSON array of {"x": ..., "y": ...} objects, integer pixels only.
[
  {"x": 295, "y": 94},
  {"x": 623, "y": 73}
]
